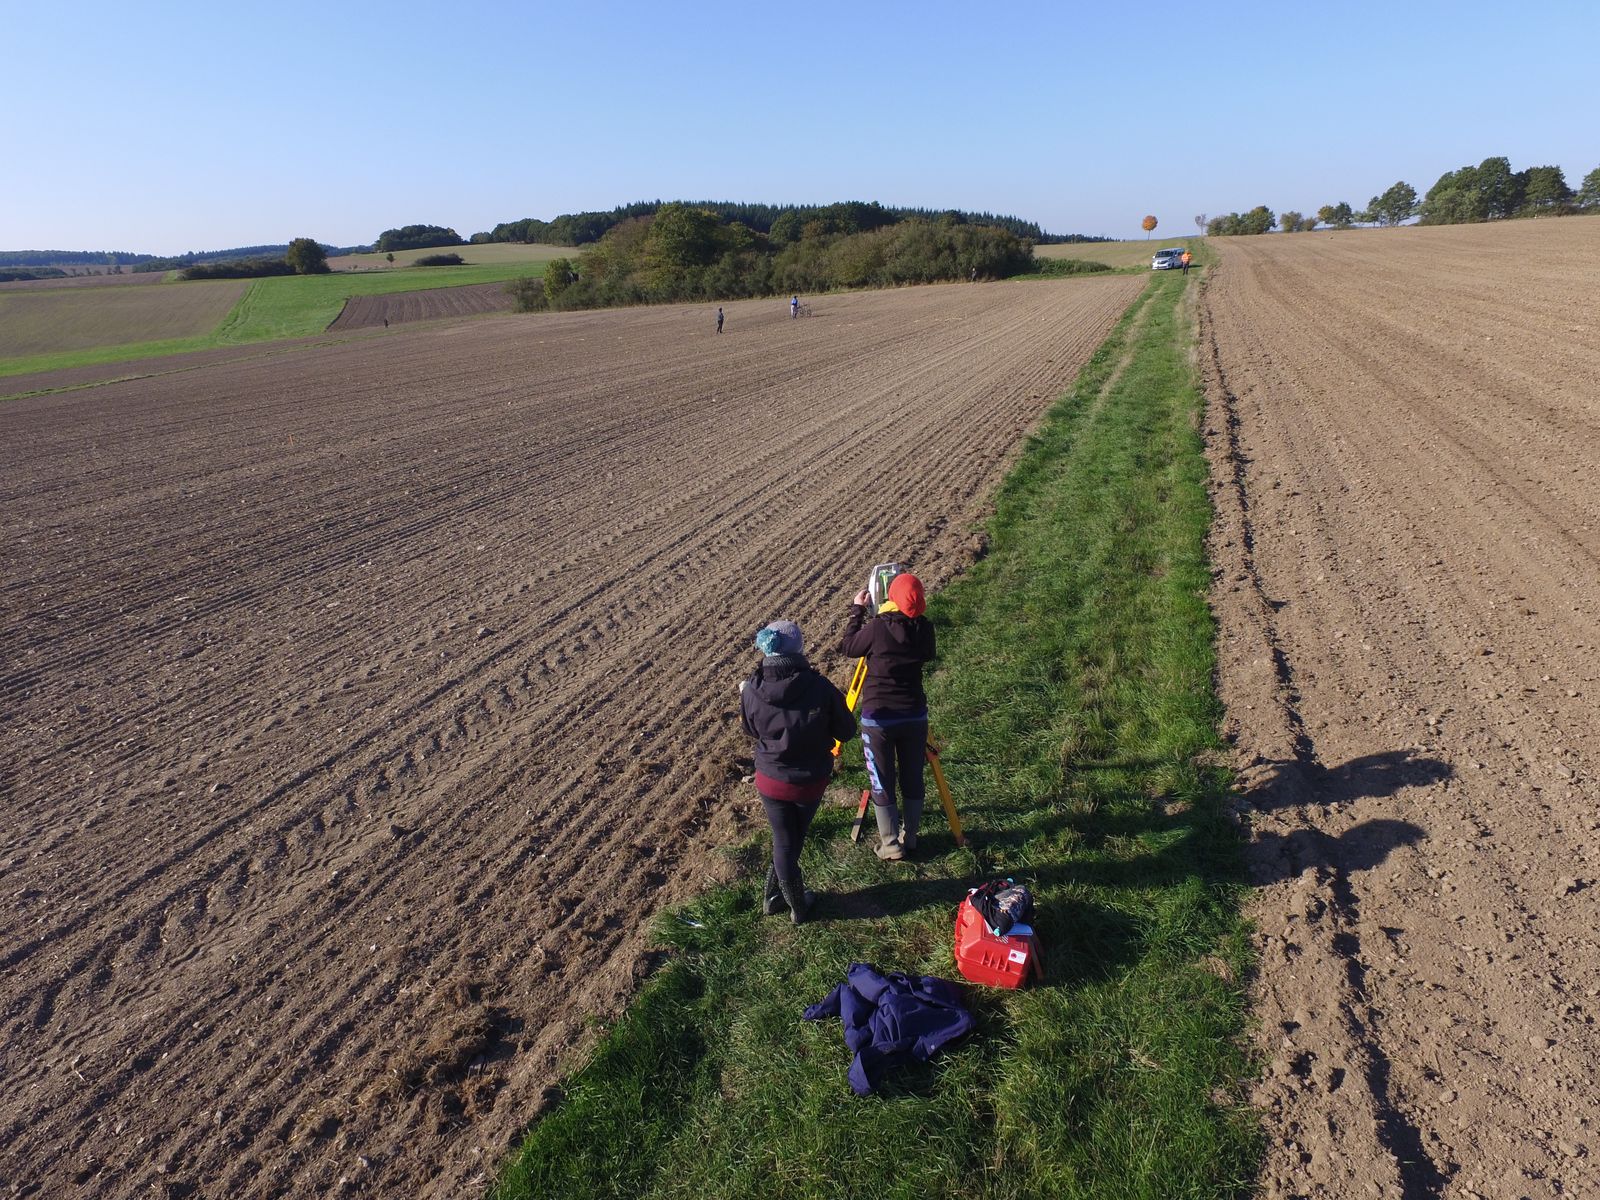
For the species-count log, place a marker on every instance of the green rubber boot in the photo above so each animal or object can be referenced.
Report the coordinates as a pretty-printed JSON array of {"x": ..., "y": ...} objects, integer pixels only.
[
  {"x": 912, "y": 825},
  {"x": 889, "y": 847}
]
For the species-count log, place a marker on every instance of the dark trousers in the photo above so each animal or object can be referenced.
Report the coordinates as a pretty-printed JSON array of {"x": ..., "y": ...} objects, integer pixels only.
[
  {"x": 789, "y": 824},
  {"x": 895, "y": 755}
]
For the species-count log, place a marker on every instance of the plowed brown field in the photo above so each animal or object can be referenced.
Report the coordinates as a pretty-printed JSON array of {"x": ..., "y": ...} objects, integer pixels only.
[
  {"x": 367, "y": 312},
  {"x": 362, "y": 703},
  {"x": 50, "y": 320},
  {"x": 127, "y": 279},
  {"x": 1405, "y": 427}
]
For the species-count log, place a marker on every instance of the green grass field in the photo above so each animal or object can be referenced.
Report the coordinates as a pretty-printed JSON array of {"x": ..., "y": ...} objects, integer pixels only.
[
  {"x": 286, "y": 306},
  {"x": 485, "y": 254},
  {"x": 301, "y": 305},
  {"x": 1074, "y": 697},
  {"x": 1117, "y": 254}
]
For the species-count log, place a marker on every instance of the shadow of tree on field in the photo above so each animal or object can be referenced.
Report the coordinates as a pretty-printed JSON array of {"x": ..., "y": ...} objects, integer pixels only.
[{"x": 1301, "y": 782}]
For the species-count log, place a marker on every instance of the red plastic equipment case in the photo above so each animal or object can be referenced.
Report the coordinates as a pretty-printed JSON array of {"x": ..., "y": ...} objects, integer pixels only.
[{"x": 986, "y": 958}]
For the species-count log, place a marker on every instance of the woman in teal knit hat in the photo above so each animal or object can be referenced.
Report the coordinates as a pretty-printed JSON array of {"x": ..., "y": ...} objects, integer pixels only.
[{"x": 795, "y": 714}]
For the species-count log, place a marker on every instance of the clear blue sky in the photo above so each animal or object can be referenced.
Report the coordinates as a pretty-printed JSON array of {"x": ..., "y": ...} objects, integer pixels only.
[{"x": 165, "y": 127}]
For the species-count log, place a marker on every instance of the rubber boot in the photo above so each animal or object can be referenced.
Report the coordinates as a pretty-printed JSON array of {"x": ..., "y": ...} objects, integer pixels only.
[
  {"x": 798, "y": 897},
  {"x": 912, "y": 824},
  {"x": 889, "y": 848},
  {"x": 771, "y": 898}
]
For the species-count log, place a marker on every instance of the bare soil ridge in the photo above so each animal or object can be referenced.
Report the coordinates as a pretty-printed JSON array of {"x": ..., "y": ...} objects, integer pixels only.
[
  {"x": 1403, "y": 427},
  {"x": 363, "y": 702}
]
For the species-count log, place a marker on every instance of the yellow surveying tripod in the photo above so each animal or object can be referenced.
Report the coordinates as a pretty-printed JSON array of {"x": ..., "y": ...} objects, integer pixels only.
[{"x": 877, "y": 587}]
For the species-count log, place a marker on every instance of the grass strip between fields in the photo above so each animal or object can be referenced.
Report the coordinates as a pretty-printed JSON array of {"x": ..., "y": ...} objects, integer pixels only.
[{"x": 1074, "y": 697}]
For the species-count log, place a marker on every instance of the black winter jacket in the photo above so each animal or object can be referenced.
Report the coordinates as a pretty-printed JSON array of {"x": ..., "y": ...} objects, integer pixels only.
[
  {"x": 895, "y": 647},
  {"x": 795, "y": 714}
]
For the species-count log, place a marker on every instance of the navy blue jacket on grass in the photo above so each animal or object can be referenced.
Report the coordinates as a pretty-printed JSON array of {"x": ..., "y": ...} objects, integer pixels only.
[{"x": 892, "y": 1019}]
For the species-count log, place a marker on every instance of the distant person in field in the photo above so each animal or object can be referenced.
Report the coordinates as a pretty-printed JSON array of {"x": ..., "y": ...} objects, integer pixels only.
[
  {"x": 1184, "y": 259},
  {"x": 795, "y": 714},
  {"x": 896, "y": 641},
  {"x": 794, "y": 307},
  {"x": 974, "y": 274},
  {"x": 719, "y": 320}
]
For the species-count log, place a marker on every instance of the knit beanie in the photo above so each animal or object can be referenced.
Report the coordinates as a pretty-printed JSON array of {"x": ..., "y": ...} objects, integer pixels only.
[
  {"x": 905, "y": 589},
  {"x": 779, "y": 637}
]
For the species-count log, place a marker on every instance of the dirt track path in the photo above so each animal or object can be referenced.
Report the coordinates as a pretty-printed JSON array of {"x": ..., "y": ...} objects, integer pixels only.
[
  {"x": 361, "y": 703},
  {"x": 1404, "y": 427}
]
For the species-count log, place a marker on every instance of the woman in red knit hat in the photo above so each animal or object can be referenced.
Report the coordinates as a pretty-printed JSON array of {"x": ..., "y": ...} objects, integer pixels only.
[{"x": 896, "y": 641}]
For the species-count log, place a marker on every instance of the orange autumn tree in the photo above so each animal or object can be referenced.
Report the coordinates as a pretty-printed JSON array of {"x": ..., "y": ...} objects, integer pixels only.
[{"x": 1149, "y": 224}]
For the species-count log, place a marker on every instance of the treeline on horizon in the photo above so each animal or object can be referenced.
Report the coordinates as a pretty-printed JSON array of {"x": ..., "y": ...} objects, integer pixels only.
[
  {"x": 1490, "y": 191},
  {"x": 70, "y": 258},
  {"x": 683, "y": 252},
  {"x": 50, "y": 264},
  {"x": 303, "y": 256},
  {"x": 568, "y": 229}
]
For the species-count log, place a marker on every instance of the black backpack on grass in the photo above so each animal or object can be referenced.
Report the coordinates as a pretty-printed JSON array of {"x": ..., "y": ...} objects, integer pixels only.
[{"x": 1003, "y": 903}]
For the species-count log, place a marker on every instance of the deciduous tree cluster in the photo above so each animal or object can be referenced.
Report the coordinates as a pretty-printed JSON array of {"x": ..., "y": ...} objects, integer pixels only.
[
  {"x": 417, "y": 237},
  {"x": 1259, "y": 219},
  {"x": 239, "y": 268},
  {"x": 306, "y": 257},
  {"x": 1493, "y": 191},
  {"x": 1489, "y": 191},
  {"x": 686, "y": 253},
  {"x": 783, "y": 223}
]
